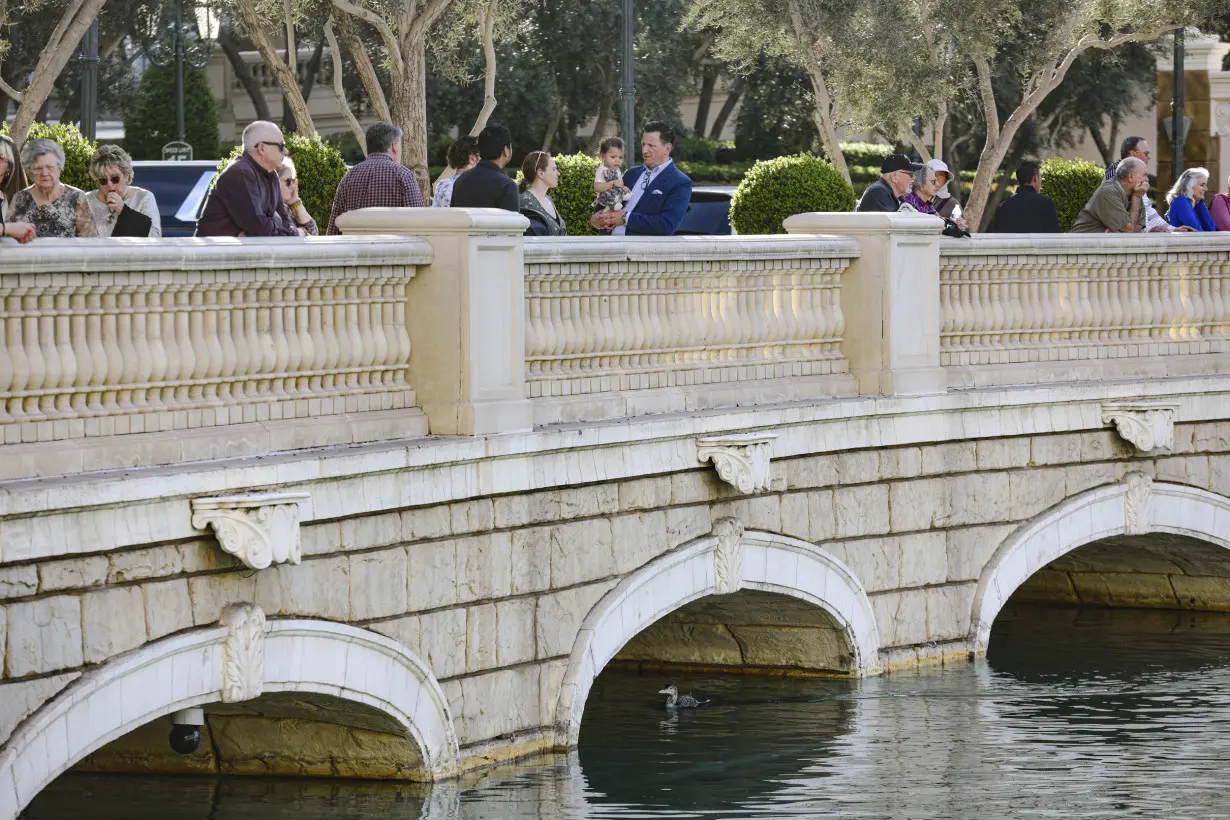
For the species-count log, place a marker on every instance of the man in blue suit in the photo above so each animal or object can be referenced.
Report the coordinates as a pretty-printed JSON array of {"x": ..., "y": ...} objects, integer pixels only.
[{"x": 660, "y": 191}]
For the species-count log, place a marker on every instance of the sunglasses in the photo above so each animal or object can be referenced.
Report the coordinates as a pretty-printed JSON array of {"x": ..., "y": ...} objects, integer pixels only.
[
  {"x": 281, "y": 146},
  {"x": 114, "y": 180}
]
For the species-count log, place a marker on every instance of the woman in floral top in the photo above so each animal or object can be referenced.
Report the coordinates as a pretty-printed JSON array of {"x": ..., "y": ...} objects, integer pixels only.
[{"x": 53, "y": 208}]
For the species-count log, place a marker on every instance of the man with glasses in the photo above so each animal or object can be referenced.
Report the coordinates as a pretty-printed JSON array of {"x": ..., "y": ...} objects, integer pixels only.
[
  {"x": 1138, "y": 147},
  {"x": 246, "y": 199},
  {"x": 884, "y": 195}
]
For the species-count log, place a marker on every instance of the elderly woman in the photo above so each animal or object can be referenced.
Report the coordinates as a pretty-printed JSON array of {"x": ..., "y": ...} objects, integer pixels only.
[
  {"x": 945, "y": 203},
  {"x": 1186, "y": 200},
  {"x": 462, "y": 156},
  {"x": 1220, "y": 209},
  {"x": 926, "y": 183},
  {"x": 55, "y": 209},
  {"x": 538, "y": 176},
  {"x": 12, "y": 180},
  {"x": 120, "y": 208},
  {"x": 288, "y": 177}
]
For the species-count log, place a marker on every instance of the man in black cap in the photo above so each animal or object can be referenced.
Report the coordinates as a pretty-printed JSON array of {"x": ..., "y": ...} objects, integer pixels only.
[{"x": 884, "y": 195}]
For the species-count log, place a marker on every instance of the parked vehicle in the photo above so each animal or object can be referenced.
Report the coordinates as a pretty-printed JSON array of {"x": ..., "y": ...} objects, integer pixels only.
[
  {"x": 179, "y": 188},
  {"x": 708, "y": 212}
]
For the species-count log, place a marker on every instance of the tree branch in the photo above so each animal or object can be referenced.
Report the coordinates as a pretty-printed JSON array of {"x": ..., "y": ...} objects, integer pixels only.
[
  {"x": 256, "y": 94},
  {"x": 986, "y": 93},
  {"x": 51, "y": 62},
  {"x": 425, "y": 19},
  {"x": 367, "y": 15},
  {"x": 486, "y": 19},
  {"x": 13, "y": 94},
  {"x": 339, "y": 91},
  {"x": 282, "y": 73},
  {"x": 367, "y": 72},
  {"x": 57, "y": 34},
  {"x": 916, "y": 143}
]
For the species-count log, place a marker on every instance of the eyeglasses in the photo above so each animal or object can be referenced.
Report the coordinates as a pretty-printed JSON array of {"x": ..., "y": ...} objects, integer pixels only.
[
  {"x": 114, "y": 180},
  {"x": 281, "y": 146}
]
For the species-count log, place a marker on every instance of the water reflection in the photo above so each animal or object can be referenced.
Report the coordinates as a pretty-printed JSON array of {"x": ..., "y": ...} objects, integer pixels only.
[{"x": 1075, "y": 714}]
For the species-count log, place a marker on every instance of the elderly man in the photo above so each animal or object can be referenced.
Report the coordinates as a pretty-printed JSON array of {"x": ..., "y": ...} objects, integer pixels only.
[
  {"x": 380, "y": 180},
  {"x": 1116, "y": 206},
  {"x": 884, "y": 195},
  {"x": 1138, "y": 147},
  {"x": 247, "y": 199},
  {"x": 660, "y": 191}
]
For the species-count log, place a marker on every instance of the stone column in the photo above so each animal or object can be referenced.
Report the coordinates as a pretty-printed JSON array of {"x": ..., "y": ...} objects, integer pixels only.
[
  {"x": 466, "y": 315},
  {"x": 890, "y": 296}
]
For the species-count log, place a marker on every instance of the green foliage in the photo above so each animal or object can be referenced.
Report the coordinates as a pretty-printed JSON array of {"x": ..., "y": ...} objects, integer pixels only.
[
  {"x": 150, "y": 123},
  {"x": 699, "y": 149},
  {"x": 1069, "y": 184},
  {"x": 78, "y": 151},
  {"x": 574, "y": 196},
  {"x": 776, "y": 189},
  {"x": 775, "y": 112},
  {"x": 870, "y": 154},
  {"x": 712, "y": 172},
  {"x": 320, "y": 167}
]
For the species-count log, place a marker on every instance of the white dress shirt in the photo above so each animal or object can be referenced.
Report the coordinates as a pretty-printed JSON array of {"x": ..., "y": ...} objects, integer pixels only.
[{"x": 642, "y": 185}]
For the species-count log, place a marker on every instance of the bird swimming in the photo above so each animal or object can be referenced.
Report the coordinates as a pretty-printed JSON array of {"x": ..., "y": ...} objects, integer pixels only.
[{"x": 674, "y": 700}]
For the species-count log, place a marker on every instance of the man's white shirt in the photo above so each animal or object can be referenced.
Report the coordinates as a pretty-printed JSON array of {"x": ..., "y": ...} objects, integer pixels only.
[{"x": 642, "y": 186}]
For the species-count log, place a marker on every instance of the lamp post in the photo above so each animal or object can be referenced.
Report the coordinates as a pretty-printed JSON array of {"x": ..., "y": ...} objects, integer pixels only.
[
  {"x": 1178, "y": 130},
  {"x": 170, "y": 39},
  {"x": 89, "y": 82},
  {"x": 627, "y": 85}
]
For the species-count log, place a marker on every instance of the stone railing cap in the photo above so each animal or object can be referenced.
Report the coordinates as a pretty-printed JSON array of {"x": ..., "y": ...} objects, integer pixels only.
[
  {"x": 544, "y": 250},
  {"x": 44, "y": 256},
  {"x": 1049, "y": 244},
  {"x": 432, "y": 220},
  {"x": 859, "y": 223}
]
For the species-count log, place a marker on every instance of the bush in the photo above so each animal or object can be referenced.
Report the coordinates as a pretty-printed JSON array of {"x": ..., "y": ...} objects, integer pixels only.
[
  {"x": 701, "y": 150},
  {"x": 1069, "y": 184},
  {"x": 776, "y": 189},
  {"x": 869, "y": 154},
  {"x": 702, "y": 172},
  {"x": 574, "y": 196},
  {"x": 78, "y": 151},
  {"x": 150, "y": 123},
  {"x": 320, "y": 168}
]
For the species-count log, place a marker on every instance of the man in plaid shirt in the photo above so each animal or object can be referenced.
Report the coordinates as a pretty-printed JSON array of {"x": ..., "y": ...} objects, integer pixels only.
[{"x": 380, "y": 180}]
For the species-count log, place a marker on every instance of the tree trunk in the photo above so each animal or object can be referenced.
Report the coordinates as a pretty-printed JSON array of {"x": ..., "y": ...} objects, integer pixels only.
[
  {"x": 728, "y": 108},
  {"x": 286, "y": 79},
  {"x": 339, "y": 90},
  {"x": 51, "y": 62},
  {"x": 242, "y": 72},
  {"x": 595, "y": 139},
  {"x": 709, "y": 75},
  {"x": 487, "y": 24},
  {"x": 409, "y": 109},
  {"x": 312, "y": 69},
  {"x": 822, "y": 112},
  {"x": 363, "y": 63},
  {"x": 553, "y": 127}
]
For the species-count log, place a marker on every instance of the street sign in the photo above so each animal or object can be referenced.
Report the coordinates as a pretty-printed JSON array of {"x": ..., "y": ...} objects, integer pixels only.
[{"x": 177, "y": 152}]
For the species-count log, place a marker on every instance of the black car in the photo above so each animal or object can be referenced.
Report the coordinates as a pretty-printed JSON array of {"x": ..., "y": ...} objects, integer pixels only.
[
  {"x": 708, "y": 212},
  {"x": 179, "y": 188}
]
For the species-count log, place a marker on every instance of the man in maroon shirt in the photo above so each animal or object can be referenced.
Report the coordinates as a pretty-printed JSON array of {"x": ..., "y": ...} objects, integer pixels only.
[
  {"x": 380, "y": 180},
  {"x": 246, "y": 199}
]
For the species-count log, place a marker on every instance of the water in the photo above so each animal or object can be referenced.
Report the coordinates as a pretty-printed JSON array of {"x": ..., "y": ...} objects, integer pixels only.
[{"x": 1075, "y": 714}]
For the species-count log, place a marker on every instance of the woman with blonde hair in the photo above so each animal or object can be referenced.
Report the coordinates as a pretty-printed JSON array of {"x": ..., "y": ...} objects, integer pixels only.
[
  {"x": 12, "y": 180},
  {"x": 1186, "y": 200},
  {"x": 120, "y": 208}
]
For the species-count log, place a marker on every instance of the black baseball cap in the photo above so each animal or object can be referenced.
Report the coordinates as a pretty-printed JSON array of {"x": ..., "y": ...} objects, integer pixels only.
[{"x": 898, "y": 162}]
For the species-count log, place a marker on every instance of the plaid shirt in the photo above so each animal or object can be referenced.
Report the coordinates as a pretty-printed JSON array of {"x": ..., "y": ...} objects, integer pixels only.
[{"x": 376, "y": 182}]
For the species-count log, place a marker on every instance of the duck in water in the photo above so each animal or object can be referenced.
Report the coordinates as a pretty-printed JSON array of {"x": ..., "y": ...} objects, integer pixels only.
[{"x": 674, "y": 700}]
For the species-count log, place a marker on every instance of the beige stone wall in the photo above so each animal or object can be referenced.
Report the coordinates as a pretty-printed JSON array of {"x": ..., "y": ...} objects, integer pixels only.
[{"x": 491, "y": 592}]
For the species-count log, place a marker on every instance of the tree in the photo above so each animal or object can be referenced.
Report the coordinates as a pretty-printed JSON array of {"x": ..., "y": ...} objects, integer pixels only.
[
  {"x": 151, "y": 123},
  {"x": 775, "y": 118}
]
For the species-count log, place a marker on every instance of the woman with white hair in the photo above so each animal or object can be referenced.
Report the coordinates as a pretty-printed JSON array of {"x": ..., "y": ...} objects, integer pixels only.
[
  {"x": 120, "y": 208},
  {"x": 288, "y": 178},
  {"x": 1186, "y": 200},
  {"x": 53, "y": 208}
]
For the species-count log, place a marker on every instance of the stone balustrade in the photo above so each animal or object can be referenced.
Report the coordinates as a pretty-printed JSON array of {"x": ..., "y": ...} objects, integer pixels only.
[
  {"x": 606, "y": 315},
  {"x": 100, "y": 337},
  {"x": 1025, "y": 309}
]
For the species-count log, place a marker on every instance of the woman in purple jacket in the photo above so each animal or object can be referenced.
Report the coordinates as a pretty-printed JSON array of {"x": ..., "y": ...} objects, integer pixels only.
[{"x": 1186, "y": 200}]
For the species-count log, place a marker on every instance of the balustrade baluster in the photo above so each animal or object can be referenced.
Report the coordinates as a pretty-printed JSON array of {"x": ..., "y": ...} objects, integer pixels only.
[
  {"x": 67, "y": 382},
  {"x": 44, "y": 308},
  {"x": 144, "y": 363},
  {"x": 352, "y": 358},
  {"x": 17, "y": 362},
  {"x": 76, "y": 308},
  {"x": 156, "y": 303},
  {"x": 212, "y": 347}
]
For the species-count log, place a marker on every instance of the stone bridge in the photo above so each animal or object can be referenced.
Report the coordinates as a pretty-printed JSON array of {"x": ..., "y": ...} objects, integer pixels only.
[{"x": 385, "y": 505}]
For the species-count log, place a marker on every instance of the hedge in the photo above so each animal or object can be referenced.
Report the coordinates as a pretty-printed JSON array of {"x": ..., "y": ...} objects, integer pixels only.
[
  {"x": 78, "y": 151},
  {"x": 320, "y": 168},
  {"x": 574, "y": 196},
  {"x": 776, "y": 189},
  {"x": 151, "y": 121},
  {"x": 1069, "y": 184}
]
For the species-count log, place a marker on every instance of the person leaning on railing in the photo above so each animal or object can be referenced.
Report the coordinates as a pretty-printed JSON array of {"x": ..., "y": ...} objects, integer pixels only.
[
  {"x": 118, "y": 207},
  {"x": 1220, "y": 209},
  {"x": 1186, "y": 198},
  {"x": 53, "y": 208},
  {"x": 1116, "y": 206},
  {"x": 246, "y": 199},
  {"x": 288, "y": 178},
  {"x": 12, "y": 180},
  {"x": 1138, "y": 147}
]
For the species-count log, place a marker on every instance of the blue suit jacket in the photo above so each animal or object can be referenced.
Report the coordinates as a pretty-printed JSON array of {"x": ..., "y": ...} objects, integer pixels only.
[{"x": 661, "y": 209}]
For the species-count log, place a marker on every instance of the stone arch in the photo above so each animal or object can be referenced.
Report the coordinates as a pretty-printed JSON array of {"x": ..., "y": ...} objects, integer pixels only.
[
  {"x": 1135, "y": 506},
  {"x": 196, "y": 668},
  {"x": 725, "y": 561}
]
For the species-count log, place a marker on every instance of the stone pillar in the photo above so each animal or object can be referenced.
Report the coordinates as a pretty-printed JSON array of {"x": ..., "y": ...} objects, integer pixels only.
[
  {"x": 466, "y": 315},
  {"x": 1203, "y": 81},
  {"x": 890, "y": 296}
]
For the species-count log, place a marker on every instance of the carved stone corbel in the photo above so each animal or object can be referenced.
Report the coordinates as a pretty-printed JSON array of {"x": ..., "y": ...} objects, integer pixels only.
[
  {"x": 728, "y": 555},
  {"x": 259, "y": 530},
  {"x": 243, "y": 652},
  {"x": 1149, "y": 425},
  {"x": 741, "y": 459},
  {"x": 1137, "y": 503}
]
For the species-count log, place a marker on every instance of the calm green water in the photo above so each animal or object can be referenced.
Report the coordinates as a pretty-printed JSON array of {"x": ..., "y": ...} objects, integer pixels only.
[{"x": 1075, "y": 714}]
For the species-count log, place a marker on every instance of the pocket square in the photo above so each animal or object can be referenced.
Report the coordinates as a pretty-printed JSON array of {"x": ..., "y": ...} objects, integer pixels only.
[{"x": 657, "y": 192}]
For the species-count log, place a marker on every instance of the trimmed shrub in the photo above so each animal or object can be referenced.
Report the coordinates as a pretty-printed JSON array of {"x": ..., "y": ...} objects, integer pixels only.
[
  {"x": 869, "y": 154},
  {"x": 701, "y": 150},
  {"x": 150, "y": 123},
  {"x": 78, "y": 151},
  {"x": 320, "y": 168},
  {"x": 1069, "y": 184},
  {"x": 574, "y": 196},
  {"x": 776, "y": 189}
]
